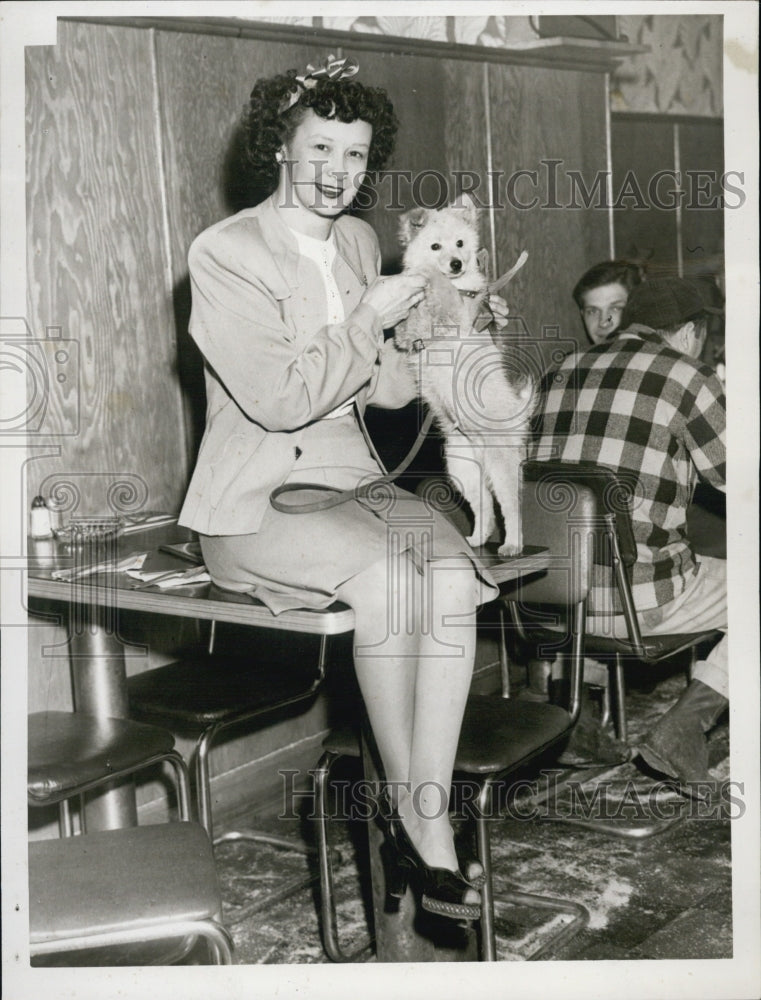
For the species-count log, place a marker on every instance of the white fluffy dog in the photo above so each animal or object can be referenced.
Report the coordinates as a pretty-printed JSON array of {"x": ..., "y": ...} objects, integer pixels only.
[{"x": 480, "y": 405}]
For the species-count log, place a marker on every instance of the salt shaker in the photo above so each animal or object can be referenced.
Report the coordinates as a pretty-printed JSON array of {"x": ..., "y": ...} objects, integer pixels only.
[{"x": 40, "y": 521}]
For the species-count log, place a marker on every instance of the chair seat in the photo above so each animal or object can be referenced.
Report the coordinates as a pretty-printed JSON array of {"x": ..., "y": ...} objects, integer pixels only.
[
  {"x": 497, "y": 734},
  {"x": 68, "y": 750},
  {"x": 121, "y": 880},
  {"x": 343, "y": 741},
  {"x": 192, "y": 694},
  {"x": 655, "y": 647}
]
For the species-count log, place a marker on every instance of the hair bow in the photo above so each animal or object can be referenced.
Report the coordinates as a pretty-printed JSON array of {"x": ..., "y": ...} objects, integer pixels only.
[{"x": 332, "y": 69}]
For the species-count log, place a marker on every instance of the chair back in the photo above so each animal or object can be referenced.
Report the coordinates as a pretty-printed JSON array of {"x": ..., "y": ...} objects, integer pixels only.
[
  {"x": 560, "y": 515},
  {"x": 614, "y": 494},
  {"x": 591, "y": 499}
]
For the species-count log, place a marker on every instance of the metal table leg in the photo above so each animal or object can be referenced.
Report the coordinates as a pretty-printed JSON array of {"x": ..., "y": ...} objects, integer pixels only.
[{"x": 99, "y": 679}]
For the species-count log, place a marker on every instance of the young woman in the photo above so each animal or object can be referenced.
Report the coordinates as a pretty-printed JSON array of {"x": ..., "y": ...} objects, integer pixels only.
[{"x": 289, "y": 313}]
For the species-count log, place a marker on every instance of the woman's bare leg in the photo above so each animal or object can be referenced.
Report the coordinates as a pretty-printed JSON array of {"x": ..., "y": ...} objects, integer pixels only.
[
  {"x": 445, "y": 668},
  {"x": 415, "y": 682},
  {"x": 385, "y": 659}
]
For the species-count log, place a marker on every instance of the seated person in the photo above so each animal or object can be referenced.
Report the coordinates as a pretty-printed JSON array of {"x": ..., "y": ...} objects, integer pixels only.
[
  {"x": 601, "y": 294},
  {"x": 713, "y": 352},
  {"x": 642, "y": 403}
]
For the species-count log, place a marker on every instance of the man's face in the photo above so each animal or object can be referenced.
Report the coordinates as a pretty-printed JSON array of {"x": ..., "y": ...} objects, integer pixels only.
[{"x": 602, "y": 310}]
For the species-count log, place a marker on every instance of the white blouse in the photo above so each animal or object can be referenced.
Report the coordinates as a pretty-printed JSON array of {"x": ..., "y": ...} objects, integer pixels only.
[{"x": 322, "y": 253}]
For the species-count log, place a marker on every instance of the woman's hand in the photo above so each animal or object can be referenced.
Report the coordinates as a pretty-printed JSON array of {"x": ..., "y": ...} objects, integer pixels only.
[
  {"x": 393, "y": 297},
  {"x": 500, "y": 309}
]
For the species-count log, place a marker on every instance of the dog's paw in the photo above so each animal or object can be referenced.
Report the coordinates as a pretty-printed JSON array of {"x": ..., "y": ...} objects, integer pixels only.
[
  {"x": 509, "y": 549},
  {"x": 475, "y": 541}
]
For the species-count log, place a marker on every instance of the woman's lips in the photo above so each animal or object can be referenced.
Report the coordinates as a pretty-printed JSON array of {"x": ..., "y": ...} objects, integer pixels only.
[{"x": 329, "y": 192}]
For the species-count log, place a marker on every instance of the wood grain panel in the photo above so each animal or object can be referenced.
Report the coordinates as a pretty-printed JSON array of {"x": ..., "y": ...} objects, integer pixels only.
[
  {"x": 417, "y": 174},
  {"x": 701, "y": 146},
  {"x": 465, "y": 133},
  {"x": 539, "y": 116},
  {"x": 96, "y": 262},
  {"x": 641, "y": 148},
  {"x": 414, "y": 84},
  {"x": 204, "y": 85}
]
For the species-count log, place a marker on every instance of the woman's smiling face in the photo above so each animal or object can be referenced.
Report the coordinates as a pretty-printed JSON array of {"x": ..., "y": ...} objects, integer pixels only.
[{"x": 325, "y": 162}]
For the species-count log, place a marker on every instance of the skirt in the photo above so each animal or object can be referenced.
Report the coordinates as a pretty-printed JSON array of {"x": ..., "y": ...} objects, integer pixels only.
[{"x": 300, "y": 560}]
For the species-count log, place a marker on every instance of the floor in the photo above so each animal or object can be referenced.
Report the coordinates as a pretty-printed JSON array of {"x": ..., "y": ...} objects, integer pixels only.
[{"x": 664, "y": 897}]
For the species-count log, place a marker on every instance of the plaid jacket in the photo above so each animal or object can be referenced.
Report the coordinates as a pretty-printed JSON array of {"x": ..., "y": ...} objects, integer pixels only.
[{"x": 636, "y": 405}]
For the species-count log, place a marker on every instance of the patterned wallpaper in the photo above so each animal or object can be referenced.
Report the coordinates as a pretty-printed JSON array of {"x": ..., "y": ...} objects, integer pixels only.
[
  {"x": 492, "y": 31},
  {"x": 682, "y": 74}
]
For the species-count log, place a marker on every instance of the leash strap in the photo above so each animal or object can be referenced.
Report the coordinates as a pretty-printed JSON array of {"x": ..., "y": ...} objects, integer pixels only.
[{"x": 357, "y": 492}]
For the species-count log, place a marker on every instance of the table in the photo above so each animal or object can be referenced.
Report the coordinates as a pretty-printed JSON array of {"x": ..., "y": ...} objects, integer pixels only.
[
  {"x": 99, "y": 676},
  {"x": 97, "y": 653}
]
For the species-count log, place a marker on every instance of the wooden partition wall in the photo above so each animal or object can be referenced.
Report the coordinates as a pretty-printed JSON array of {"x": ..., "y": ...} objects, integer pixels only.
[
  {"x": 131, "y": 153},
  {"x": 132, "y": 133}
]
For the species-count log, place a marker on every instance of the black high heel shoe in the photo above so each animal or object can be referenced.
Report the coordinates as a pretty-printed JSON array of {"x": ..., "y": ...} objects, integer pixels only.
[{"x": 442, "y": 890}]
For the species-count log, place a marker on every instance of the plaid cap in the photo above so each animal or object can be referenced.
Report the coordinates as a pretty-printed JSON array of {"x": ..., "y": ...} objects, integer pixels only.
[{"x": 663, "y": 302}]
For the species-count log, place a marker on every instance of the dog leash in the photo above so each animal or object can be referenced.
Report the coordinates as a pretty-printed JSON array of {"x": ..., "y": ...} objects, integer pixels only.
[
  {"x": 508, "y": 276},
  {"x": 357, "y": 492}
]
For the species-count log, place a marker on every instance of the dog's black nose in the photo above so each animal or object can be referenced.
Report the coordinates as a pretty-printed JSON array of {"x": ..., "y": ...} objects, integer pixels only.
[{"x": 455, "y": 265}]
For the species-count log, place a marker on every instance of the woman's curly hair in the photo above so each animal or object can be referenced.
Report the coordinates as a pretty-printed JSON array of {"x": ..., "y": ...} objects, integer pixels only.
[{"x": 266, "y": 128}]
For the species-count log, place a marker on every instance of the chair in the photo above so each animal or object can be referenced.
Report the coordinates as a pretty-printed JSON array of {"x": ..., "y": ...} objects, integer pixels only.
[
  {"x": 204, "y": 696},
  {"x": 123, "y": 887},
  {"x": 553, "y": 486},
  {"x": 616, "y": 552},
  {"x": 499, "y": 735},
  {"x": 116, "y": 887},
  {"x": 71, "y": 753}
]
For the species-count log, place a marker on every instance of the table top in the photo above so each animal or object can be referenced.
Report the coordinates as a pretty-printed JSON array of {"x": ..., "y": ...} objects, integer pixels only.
[{"x": 202, "y": 601}]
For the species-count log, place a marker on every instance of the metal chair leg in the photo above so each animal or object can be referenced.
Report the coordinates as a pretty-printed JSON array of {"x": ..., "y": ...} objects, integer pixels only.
[
  {"x": 504, "y": 659},
  {"x": 579, "y": 913},
  {"x": 182, "y": 780},
  {"x": 517, "y": 897},
  {"x": 333, "y": 950},
  {"x": 606, "y": 713},
  {"x": 205, "y": 816},
  {"x": 65, "y": 827},
  {"x": 620, "y": 696},
  {"x": 483, "y": 846}
]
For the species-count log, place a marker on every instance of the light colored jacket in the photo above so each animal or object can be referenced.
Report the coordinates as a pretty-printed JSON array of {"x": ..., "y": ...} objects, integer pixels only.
[{"x": 272, "y": 363}]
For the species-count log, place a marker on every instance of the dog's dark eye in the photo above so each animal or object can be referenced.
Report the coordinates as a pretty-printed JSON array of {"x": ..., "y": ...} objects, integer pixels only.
[
  {"x": 435, "y": 246},
  {"x": 459, "y": 243}
]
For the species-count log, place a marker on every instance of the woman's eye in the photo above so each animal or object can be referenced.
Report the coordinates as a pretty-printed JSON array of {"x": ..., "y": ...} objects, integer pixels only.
[
  {"x": 435, "y": 246},
  {"x": 321, "y": 147},
  {"x": 357, "y": 154}
]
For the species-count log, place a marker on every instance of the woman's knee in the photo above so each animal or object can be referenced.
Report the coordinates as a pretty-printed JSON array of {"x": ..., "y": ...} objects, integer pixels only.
[
  {"x": 370, "y": 591},
  {"x": 391, "y": 589},
  {"x": 453, "y": 586}
]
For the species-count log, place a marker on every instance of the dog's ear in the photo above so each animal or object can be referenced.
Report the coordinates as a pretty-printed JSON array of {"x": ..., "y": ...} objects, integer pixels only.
[
  {"x": 468, "y": 205},
  {"x": 411, "y": 223}
]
